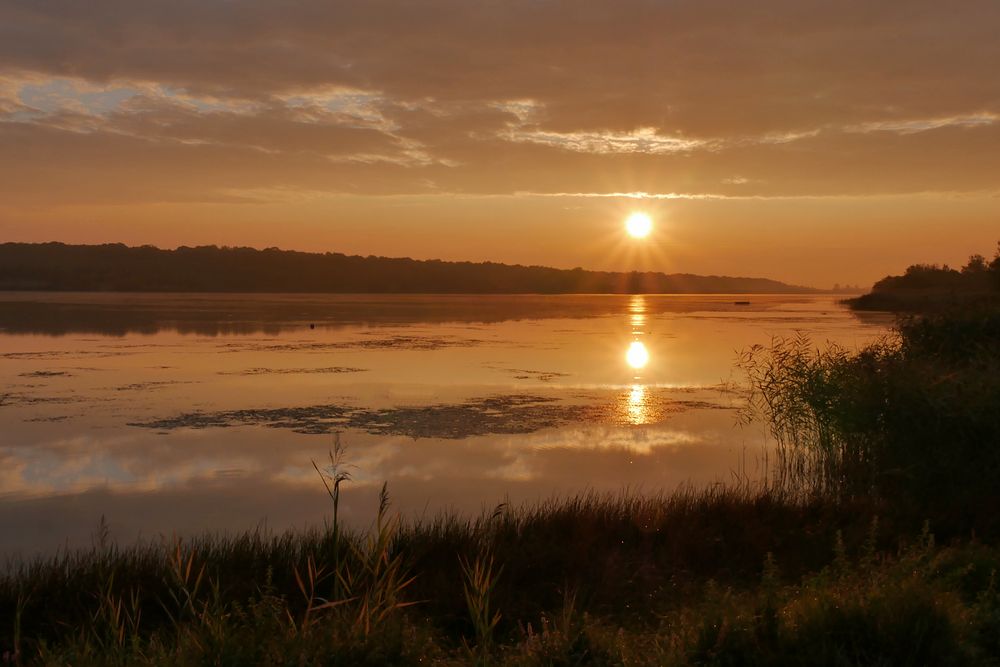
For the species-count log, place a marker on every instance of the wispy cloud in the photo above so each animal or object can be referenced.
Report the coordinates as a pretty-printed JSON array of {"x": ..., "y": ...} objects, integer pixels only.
[
  {"x": 914, "y": 126},
  {"x": 643, "y": 140}
]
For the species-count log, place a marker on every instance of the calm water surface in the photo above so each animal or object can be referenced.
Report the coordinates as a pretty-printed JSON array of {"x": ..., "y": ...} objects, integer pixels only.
[{"x": 193, "y": 413}]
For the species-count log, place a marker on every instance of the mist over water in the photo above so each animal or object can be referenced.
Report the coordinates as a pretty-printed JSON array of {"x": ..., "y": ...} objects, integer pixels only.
[{"x": 193, "y": 413}]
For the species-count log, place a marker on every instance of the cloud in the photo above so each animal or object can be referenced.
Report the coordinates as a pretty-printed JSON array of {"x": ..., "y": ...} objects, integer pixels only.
[
  {"x": 643, "y": 140},
  {"x": 187, "y": 100},
  {"x": 914, "y": 125}
]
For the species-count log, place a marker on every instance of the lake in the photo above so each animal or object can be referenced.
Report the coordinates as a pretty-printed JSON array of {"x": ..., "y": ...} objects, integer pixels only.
[{"x": 193, "y": 413}]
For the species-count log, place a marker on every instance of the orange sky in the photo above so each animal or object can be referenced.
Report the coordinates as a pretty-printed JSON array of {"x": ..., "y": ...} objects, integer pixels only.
[{"x": 812, "y": 142}]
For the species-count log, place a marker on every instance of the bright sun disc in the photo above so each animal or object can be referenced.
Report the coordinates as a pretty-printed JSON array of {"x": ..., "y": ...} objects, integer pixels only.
[
  {"x": 637, "y": 355},
  {"x": 639, "y": 225}
]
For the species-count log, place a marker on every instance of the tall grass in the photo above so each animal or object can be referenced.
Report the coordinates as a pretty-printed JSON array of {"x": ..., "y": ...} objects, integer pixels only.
[
  {"x": 480, "y": 578},
  {"x": 821, "y": 406},
  {"x": 914, "y": 417},
  {"x": 715, "y": 577}
]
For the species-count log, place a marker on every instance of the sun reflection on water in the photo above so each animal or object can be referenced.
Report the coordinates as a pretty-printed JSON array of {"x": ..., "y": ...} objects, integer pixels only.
[
  {"x": 637, "y": 314},
  {"x": 637, "y": 355},
  {"x": 637, "y": 412},
  {"x": 637, "y": 304}
]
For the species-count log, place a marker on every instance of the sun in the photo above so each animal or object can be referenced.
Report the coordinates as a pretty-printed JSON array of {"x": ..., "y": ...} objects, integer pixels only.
[{"x": 639, "y": 225}]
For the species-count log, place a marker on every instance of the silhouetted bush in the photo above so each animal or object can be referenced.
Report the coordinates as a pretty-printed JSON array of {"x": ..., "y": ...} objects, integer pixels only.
[
  {"x": 933, "y": 287},
  {"x": 913, "y": 417}
]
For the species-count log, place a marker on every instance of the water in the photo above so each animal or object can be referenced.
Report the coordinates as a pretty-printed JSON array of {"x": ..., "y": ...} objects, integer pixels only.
[{"x": 203, "y": 413}]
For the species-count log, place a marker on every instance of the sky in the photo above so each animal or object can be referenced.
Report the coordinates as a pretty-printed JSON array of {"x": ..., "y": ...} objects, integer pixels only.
[{"x": 808, "y": 141}]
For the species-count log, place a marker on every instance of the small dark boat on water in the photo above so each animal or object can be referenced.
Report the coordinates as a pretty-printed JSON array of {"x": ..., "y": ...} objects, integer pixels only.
[{"x": 741, "y": 303}]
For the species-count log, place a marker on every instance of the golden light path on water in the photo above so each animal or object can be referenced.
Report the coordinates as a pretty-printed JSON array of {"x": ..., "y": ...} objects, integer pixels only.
[
  {"x": 637, "y": 412},
  {"x": 637, "y": 357}
]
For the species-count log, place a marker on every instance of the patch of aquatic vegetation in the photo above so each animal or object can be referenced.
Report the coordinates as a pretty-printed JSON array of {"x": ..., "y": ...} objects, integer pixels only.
[
  {"x": 527, "y": 374},
  {"x": 307, "y": 419},
  {"x": 494, "y": 415},
  {"x": 19, "y": 399},
  {"x": 142, "y": 346},
  {"x": 389, "y": 342},
  {"x": 482, "y": 416},
  {"x": 61, "y": 354},
  {"x": 147, "y": 386},
  {"x": 541, "y": 376},
  {"x": 333, "y": 370}
]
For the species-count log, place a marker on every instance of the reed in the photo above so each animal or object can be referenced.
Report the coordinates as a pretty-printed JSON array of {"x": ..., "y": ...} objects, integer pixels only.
[
  {"x": 912, "y": 417},
  {"x": 691, "y": 576},
  {"x": 480, "y": 578}
]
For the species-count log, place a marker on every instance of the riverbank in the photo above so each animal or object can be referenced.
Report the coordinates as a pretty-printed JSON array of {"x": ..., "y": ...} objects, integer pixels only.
[
  {"x": 921, "y": 301},
  {"x": 929, "y": 288},
  {"x": 691, "y": 578}
]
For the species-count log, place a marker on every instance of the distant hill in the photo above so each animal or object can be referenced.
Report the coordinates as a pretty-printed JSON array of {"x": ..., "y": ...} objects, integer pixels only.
[
  {"x": 116, "y": 267},
  {"x": 933, "y": 287}
]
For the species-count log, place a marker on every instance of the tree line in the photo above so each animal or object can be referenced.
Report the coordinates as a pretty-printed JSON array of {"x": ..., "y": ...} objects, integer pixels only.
[
  {"x": 117, "y": 267},
  {"x": 936, "y": 286}
]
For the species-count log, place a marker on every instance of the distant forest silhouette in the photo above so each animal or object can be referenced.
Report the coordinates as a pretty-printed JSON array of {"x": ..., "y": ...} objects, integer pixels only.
[
  {"x": 936, "y": 285},
  {"x": 117, "y": 267}
]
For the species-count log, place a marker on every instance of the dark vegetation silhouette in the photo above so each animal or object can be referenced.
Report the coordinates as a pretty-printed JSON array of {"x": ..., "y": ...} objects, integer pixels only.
[
  {"x": 913, "y": 418},
  {"x": 935, "y": 286},
  {"x": 116, "y": 267},
  {"x": 721, "y": 577}
]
